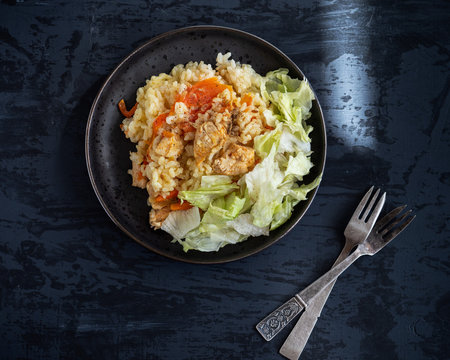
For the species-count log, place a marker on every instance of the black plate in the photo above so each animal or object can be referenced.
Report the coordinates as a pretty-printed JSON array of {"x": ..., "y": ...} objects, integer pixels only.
[{"x": 107, "y": 149}]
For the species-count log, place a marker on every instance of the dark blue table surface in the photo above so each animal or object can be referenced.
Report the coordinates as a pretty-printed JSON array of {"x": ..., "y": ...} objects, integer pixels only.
[{"x": 73, "y": 286}]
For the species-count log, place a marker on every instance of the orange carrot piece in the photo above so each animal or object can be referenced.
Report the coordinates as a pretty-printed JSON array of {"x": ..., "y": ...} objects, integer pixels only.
[
  {"x": 180, "y": 206},
  {"x": 158, "y": 122},
  {"x": 247, "y": 98},
  {"x": 172, "y": 194},
  {"x": 140, "y": 176},
  {"x": 167, "y": 134},
  {"x": 124, "y": 111}
]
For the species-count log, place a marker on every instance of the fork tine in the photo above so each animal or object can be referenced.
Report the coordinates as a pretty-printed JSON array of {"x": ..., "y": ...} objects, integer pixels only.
[
  {"x": 370, "y": 206},
  {"x": 388, "y": 217},
  {"x": 391, "y": 225},
  {"x": 376, "y": 211},
  {"x": 362, "y": 204},
  {"x": 399, "y": 229}
]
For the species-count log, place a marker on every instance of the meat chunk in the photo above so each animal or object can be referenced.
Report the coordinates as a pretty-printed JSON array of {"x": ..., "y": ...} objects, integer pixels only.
[
  {"x": 170, "y": 146},
  {"x": 236, "y": 160},
  {"x": 157, "y": 216},
  {"x": 209, "y": 139}
]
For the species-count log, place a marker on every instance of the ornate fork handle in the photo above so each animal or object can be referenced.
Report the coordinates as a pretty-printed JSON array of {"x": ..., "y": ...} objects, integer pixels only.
[
  {"x": 273, "y": 323},
  {"x": 277, "y": 320}
]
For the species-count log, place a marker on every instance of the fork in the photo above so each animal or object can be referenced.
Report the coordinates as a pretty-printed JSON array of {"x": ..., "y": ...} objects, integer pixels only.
[
  {"x": 386, "y": 229},
  {"x": 357, "y": 230}
]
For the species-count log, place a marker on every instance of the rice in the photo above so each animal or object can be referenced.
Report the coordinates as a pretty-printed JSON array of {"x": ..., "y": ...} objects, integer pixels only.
[{"x": 168, "y": 159}]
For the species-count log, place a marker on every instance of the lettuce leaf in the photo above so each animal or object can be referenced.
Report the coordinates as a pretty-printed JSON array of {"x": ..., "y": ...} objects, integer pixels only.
[
  {"x": 262, "y": 184},
  {"x": 298, "y": 193},
  {"x": 290, "y": 143},
  {"x": 264, "y": 143},
  {"x": 210, "y": 241},
  {"x": 243, "y": 224},
  {"x": 282, "y": 212},
  {"x": 180, "y": 222},
  {"x": 220, "y": 211},
  {"x": 211, "y": 188},
  {"x": 298, "y": 166},
  {"x": 292, "y": 99}
]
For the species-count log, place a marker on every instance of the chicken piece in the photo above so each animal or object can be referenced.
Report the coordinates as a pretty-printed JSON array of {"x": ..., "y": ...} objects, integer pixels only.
[
  {"x": 209, "y": 139},
  {"x": 157, "y": 216},
  {"x": 236, "y": 160},
  {"x": 170, "y": 146},
  {"x": 158, "y": 205}
]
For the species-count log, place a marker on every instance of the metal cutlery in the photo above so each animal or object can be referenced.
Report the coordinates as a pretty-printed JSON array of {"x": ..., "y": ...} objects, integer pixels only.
[
  {"x": 384, "y": 231},
  {"x": 356, "y": 232}
]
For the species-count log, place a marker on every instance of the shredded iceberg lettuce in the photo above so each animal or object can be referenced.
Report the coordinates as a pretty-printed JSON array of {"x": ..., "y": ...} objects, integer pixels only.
[
  {"x": 292, "y": 99},
  {"x": 179, "y": 223},
  {"x": 212, "y": 187}
]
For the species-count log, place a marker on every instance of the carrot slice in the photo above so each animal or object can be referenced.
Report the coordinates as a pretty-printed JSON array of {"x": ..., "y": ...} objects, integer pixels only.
[
  {"x": 158, "y": 122},
  {"x": 198, "y": 98},
  {"x": 180, "y": 206},
  {"x": 248, "y": 99},
  {"x": 140, "y": 176},
  {"x": 167, "y": 134},
  {"x": 124, "y": 111},
  {"x": 172, "y": 194}
]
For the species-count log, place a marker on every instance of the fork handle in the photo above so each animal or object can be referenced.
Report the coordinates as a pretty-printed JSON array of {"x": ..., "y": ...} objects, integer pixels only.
[
  {"x": 307, "y": 295},
  {"x": 297, "y": 339},
  {"x": 272, "y": 324}
]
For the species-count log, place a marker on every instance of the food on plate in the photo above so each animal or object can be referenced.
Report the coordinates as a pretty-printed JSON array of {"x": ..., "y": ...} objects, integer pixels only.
[{"x": 222, "y": 151}]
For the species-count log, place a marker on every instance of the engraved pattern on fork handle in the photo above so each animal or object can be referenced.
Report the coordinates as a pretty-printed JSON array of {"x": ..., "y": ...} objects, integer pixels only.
[{"x": 273, "y": 323}]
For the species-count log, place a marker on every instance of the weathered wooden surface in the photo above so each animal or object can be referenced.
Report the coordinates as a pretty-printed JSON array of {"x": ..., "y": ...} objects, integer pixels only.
[{"x": 73, "y": 286}]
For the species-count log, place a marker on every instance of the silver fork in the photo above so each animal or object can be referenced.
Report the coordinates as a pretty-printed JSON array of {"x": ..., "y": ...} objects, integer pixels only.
[
  {"x": 385, "y": 230},
  {"x": 357, "y": 230}
]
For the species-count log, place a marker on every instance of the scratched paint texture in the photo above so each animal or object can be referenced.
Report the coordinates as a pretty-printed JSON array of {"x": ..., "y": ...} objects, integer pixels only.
[{"x": 73, "y": 286}]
